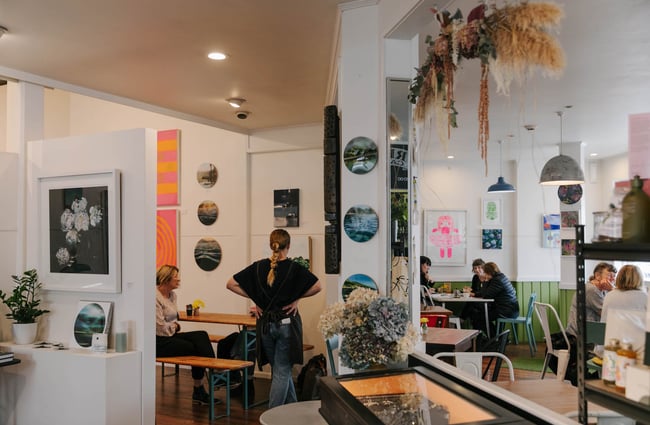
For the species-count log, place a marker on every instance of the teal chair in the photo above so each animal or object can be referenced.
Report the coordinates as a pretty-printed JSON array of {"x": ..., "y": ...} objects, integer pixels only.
[
  {"x": 332, "y": 344},
  {"x": 526, "y": 320}
]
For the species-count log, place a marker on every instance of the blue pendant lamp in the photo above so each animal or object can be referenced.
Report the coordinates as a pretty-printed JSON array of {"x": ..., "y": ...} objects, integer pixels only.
[
  {"x": 561, "y": 169},
  {"x": 501, "y": 186}
]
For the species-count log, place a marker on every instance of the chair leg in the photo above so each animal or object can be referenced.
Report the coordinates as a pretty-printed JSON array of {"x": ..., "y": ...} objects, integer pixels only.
[
  {"x": 531, "y": 339},
  {"x": 546, "y": 358},
  {"x": 513, "y": 325}
]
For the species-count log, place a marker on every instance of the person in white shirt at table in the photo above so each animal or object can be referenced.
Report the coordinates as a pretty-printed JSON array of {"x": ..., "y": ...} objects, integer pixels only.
[{"x": 628, "y": 294}]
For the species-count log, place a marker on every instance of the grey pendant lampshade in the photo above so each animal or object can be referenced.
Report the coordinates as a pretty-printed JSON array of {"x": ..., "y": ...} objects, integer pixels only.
[
  {"x": 561, "y": 169},
  {"x": 501, "y": 186}
]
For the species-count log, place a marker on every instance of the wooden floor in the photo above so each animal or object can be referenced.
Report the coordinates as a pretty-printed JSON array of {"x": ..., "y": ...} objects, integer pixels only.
[{"x": 174, "y": 396}]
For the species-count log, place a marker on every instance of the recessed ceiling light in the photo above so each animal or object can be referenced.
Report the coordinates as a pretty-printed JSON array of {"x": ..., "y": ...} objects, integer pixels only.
[
  {"x": 3, "y": 31},
  {"x": 236, "y": 102},
  {"x": 593, "y": 154},
  {"x": 217, "y": 56},
  {"x": 450, "y": 157}
]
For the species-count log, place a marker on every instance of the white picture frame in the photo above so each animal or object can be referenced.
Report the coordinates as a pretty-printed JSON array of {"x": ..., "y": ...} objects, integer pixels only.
[
  {"x": 444, "y": 237},
  {"x": 491, "y": 212},
  {"x": 79, "y": 232},
  {"x": 90, "y": 318}
]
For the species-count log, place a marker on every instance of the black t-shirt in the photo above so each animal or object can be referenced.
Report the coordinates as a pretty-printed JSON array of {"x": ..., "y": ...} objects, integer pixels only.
[{"x": 291, "y": 281}]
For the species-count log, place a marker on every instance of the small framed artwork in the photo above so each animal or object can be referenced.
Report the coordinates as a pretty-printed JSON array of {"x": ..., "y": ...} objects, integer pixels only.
[
  {"x": 568, "y": 247},
  {"x": 492, "y": 239},
  {"x": 491, "y": 212},
  {"x": 167, "y": 237},
  {"x": 360, "y": 223},
  {"x": 286, "y": 208},
  {"x": 207, "y": 254},
  {"x": 551, "y": 231},
  {"x": 355, "y": 281},
  {"x": 300, "y": 251},
  {"x": 360, "y": 155},
  {"x": 79, "y": 232},
  {"x": 445, "y": 237},
  {"x": 207, "y": 212},
  {"x": 569, "y": 219},
  {"x": 207, "y": 175},
  {"x": 92, "y": 317}
]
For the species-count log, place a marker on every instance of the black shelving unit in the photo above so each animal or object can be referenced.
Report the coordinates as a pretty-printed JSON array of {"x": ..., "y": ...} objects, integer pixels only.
[{"x": 596, "y": 391}]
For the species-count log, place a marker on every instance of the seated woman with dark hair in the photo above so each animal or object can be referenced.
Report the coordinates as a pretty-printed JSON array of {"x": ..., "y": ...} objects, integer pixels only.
[{"x": 496, "y": 286}]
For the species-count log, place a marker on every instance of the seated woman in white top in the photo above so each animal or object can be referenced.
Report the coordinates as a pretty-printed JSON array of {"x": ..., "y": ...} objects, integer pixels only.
[{"x": 628, "y": 294}]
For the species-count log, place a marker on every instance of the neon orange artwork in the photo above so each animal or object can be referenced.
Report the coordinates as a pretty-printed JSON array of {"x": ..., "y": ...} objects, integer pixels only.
[
  {"x": 168, "y": 166},
  {"x": 166, "y": 237}
]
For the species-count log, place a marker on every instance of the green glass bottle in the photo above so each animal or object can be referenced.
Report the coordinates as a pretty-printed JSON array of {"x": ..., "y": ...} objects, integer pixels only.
[{"x": 636, "y": 213}]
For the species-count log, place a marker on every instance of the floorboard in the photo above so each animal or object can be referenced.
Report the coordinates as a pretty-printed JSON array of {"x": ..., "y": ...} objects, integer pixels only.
[{"x": 174, "y": 396}]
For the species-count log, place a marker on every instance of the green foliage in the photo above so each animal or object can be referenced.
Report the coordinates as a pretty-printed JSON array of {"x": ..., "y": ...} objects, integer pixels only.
[
  {"x": 302, "y": 261},
  {"x": 23, "y": 302}
]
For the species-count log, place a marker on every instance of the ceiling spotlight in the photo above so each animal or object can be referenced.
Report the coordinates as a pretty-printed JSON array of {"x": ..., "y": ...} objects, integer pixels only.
[
  {"x": 217, "y": 56},
  {"x": 3, "y": 30},
  {"x": 236, "y": 102},
  {"x": 242, "y": 115}
]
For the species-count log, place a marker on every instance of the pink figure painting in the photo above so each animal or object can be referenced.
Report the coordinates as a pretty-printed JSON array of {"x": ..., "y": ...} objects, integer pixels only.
[{"x": 445, "y": 236}]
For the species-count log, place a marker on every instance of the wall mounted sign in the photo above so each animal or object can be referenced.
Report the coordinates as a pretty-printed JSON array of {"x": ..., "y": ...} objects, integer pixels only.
[
  {"x": 360, "y": 155},
  {"x": 360, "y": 223}
]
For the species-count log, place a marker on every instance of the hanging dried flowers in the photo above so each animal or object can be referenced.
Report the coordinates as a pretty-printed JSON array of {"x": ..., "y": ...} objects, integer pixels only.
[{"x": 511, "y": 42}]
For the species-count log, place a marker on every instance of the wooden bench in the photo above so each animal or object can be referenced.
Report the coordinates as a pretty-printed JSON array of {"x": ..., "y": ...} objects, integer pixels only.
[
  {"x": 218, "y": 373},
  {"x": 217, "y": 338}
]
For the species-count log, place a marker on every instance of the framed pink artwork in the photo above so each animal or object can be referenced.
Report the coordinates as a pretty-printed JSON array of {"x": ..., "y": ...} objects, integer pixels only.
[
  {"x": 166, "y": 237},
  {"x": 168, "y": 167}
]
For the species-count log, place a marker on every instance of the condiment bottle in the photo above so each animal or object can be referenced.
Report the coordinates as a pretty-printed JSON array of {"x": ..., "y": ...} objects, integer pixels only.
[
  {"x": 609, "y": 361},
  {"x": 625, "y": 356},
  {"x": 636, "y": 213}
]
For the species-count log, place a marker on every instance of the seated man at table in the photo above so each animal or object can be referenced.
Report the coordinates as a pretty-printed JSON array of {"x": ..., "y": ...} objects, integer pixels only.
[{"x": 496, "y": 286}]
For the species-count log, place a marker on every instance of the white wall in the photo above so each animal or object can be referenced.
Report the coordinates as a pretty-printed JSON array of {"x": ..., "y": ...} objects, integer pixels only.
[
  {"x": 3, "y": 118},
  {"x": 102, "y": 152}
]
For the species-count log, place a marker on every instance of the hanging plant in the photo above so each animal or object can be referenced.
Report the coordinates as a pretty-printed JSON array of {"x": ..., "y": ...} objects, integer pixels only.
[{"x": 511, "y": 42}]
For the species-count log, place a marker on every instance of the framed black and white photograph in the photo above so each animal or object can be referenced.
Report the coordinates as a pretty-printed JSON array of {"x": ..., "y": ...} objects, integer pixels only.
[
  {"x": 286, "y": 207},
  {"x": 92, "y": 317},
  {"x": 79, "y": 232}
]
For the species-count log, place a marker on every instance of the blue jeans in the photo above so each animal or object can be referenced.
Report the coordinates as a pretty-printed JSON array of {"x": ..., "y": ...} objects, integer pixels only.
[{"x": 276, "y": 347}]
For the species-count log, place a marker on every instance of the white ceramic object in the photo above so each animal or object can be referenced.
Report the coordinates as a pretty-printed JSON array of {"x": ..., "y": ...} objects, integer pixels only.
[{"x": 24, "y": 333}]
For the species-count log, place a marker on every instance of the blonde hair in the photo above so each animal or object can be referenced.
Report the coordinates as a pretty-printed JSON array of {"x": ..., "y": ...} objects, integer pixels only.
[
  {"x": 278, "y": 241},
  {"x": 629, "y": 277},
  {"x": 165, "y": 274}
]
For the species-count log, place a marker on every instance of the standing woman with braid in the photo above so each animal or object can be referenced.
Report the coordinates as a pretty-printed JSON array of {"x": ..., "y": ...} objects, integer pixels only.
[{"x": 275, "y": 285}]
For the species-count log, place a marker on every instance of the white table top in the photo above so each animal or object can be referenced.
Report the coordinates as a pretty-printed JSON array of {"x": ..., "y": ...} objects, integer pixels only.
[
  {"x": 450, "y": 298},
  {"x": 301, "y": 413}
]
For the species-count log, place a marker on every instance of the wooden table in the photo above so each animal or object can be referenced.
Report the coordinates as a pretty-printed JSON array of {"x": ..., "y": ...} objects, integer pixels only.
[
  {"x": 243, "y": 320},
  {"x": 558, "y": 396},
  {"x": 450, "y": 298},
  {"x": 436, "y": 309},
  {"x": 449, "y": 340}
]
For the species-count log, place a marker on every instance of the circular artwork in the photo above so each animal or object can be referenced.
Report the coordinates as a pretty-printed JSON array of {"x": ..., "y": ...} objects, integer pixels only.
[
  {"x": 207, "y": 212},
  {"x": 90, "y": 320},
  {"x": 569, "y": 194},
  {"x": 357, "y": 281},
  {"x": 207, "y": 175},
  {"x": 207, "y": 254},
  {"x": 360, "y": 155},
  {"x": 360, "y": 223}
]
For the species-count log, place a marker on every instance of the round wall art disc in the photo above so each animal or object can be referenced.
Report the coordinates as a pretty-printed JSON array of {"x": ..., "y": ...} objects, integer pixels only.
[
  {"x": 207, "y": 212},
  {"x": 569, "y": 194},
  {"x": 360, "y": 155},
  {"x": 207, "y": 175},
  {"x": 90, "y": 320},
  {"x": 207, "y": 254},
  {"x": 360, "y": 223},
  {"x": 357, "y": 281}
]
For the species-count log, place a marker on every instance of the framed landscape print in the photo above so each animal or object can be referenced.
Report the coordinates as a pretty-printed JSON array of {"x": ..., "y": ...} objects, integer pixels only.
[
  {"x": 445, "y": 237},
  {"x": 92, "y": 317},
  {"x": 79, "y": 232}
]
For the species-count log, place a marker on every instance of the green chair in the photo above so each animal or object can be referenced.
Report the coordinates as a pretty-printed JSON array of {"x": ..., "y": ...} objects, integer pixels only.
[
  {"x": 332, "y": 345},
  {"x": 527, "y": 321}
]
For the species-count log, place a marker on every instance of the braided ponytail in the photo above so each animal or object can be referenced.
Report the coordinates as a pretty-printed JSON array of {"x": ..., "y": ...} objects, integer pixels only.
[{"x": 278, "y": 241}]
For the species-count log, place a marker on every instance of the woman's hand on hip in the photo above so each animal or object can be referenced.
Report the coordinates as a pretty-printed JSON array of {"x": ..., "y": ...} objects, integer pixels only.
[{"x": 291, "y": 309}]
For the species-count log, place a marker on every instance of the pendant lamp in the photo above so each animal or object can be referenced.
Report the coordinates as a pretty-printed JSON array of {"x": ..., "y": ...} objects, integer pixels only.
[
  {"x": 561, "y": 169},
  {"x": 501, "y": 186}
]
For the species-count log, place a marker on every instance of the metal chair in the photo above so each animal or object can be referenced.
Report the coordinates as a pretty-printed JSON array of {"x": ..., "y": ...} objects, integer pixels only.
[
  {"x": 472, "y": 361},
  {"x": 542, "y": 312},
  {"x": 332, "y": 344},
  {"x": 527, "y": 321},
  {"x": 498, "y": 344}
]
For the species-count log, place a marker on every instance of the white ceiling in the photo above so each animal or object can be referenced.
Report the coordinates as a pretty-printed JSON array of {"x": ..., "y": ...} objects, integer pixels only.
[{"x": 281, "y": 60}]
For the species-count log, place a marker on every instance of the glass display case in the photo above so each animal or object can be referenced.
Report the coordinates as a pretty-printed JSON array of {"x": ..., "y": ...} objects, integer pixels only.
[{"x": 415, "y": 395}]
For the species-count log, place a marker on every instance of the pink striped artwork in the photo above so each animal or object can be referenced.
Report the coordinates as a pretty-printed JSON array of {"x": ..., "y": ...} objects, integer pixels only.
[{"x": 168, "y": 167}]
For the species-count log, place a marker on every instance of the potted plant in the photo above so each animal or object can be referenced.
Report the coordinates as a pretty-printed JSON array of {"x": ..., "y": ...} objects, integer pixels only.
[{"x": 23, "y": 304}]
